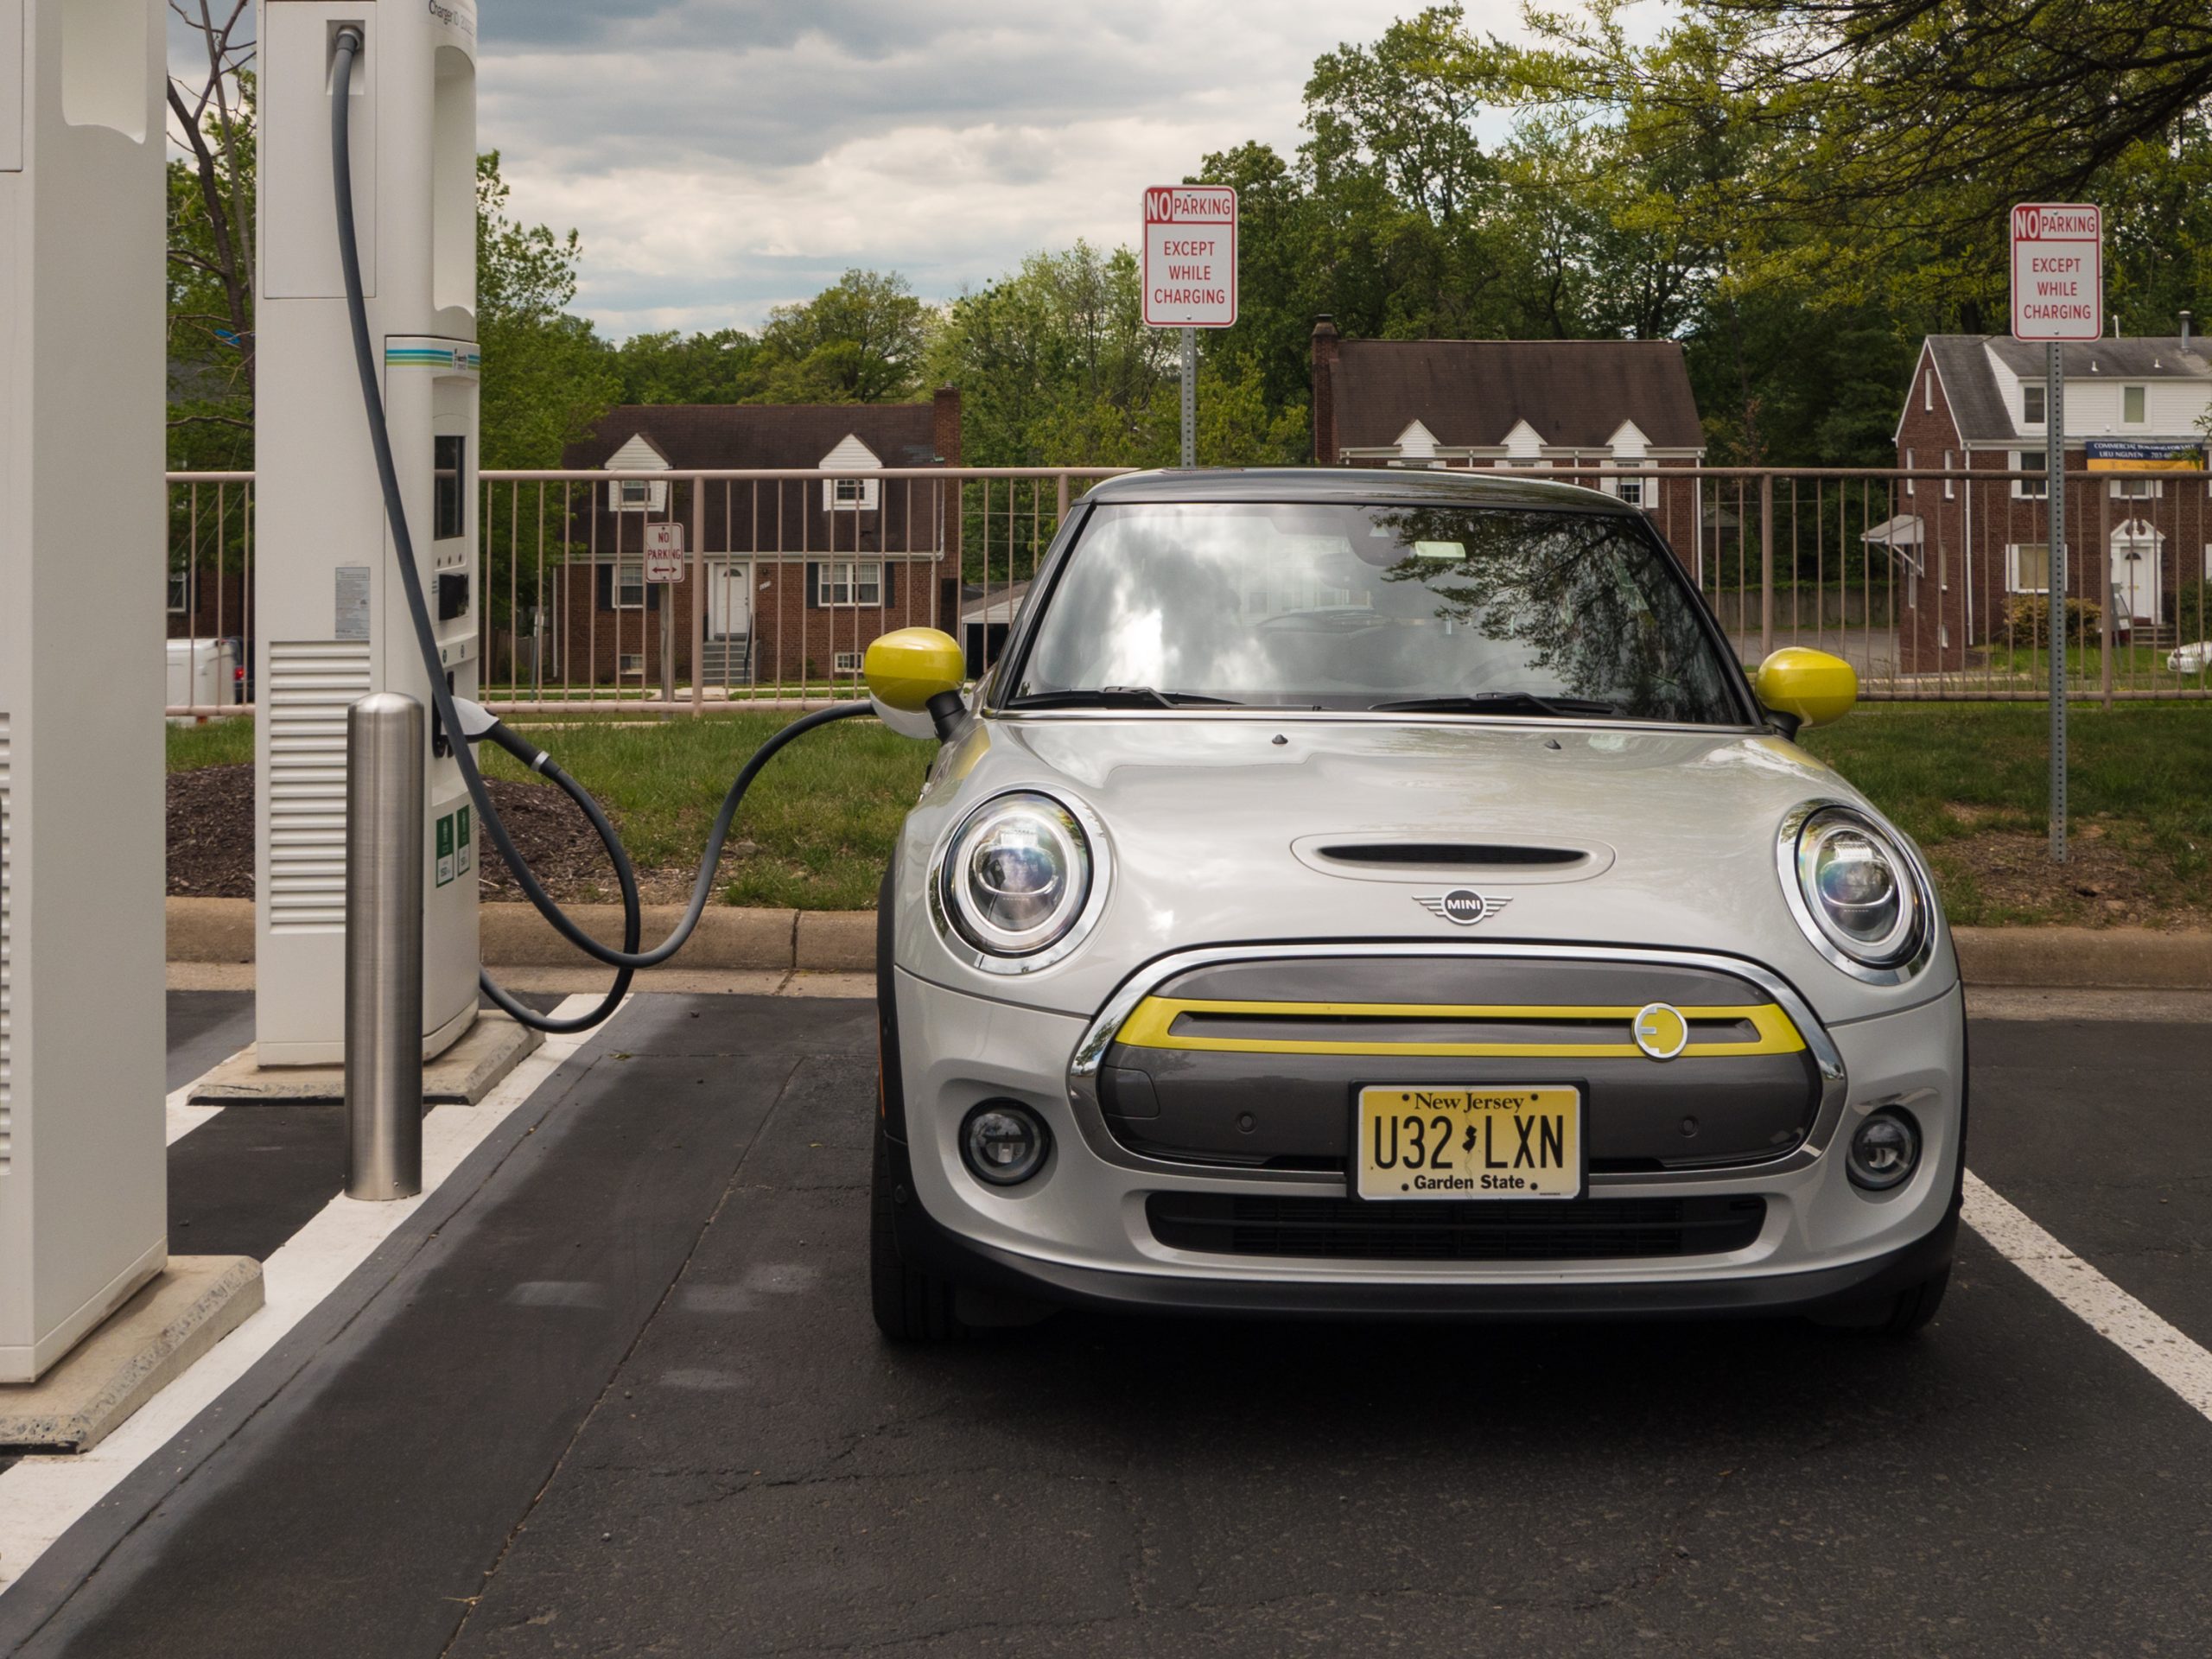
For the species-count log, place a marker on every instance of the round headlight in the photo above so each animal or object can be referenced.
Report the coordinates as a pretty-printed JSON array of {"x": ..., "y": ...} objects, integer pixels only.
[
  {"x": 1885, "y": 1151},
  {"x": 1016, "y": 876},
  {"x": 1859, "y": 888}
]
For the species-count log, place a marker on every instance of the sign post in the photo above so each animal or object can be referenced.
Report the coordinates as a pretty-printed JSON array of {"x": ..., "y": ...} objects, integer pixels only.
[
  {"x": 2057, "y": 296},
  {"x": 664, "y": 564},
  {"x": 1189, "y": 275}
]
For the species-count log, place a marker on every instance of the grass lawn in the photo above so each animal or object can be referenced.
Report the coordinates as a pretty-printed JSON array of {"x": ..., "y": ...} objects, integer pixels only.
[
  {"x": 1971, "y": 783},
  {"x": 823, "y": 814},
  {"x": 1967, "y": 780}
]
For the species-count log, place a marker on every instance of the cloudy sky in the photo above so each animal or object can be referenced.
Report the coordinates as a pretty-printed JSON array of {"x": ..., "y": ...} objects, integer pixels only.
[{"x": 721, "y": 156}]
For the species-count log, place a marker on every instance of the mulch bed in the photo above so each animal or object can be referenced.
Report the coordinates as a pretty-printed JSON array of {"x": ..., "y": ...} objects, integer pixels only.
[{"x": 211, "y": 842}]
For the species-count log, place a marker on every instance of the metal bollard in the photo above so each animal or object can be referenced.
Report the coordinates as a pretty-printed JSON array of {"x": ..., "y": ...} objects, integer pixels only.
[{"x": 384, "y": 751}]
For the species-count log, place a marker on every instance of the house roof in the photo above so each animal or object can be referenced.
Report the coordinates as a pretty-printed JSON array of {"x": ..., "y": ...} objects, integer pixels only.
[
  {"x": 737, "y": 437},
  {"x": 1979, "y": 406},
  {"x": 1573, "y": 393}
]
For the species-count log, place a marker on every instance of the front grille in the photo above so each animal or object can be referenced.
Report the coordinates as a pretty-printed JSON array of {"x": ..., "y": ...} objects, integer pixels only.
[{"x": 1580, "y": 1230}]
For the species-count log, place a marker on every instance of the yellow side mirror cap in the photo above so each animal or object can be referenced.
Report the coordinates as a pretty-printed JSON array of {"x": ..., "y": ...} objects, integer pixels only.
[
  {"x": 907, "y": 670},
  {"x": 1811, "y": 685}
]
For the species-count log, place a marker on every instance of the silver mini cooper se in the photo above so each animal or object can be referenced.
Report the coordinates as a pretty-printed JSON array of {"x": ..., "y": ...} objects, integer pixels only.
[{"x": 1377, "y": 893}]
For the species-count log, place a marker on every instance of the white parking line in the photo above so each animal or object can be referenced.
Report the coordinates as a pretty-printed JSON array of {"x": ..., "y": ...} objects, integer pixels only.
[
  {"x": 183, "y": 1117},
  {"x": 2113, "y": 1314},
  {"x": 41, "y": 1498}
]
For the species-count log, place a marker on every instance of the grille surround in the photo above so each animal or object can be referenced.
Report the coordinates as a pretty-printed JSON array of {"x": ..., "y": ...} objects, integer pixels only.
[{"x": 1286, "y": 1227}]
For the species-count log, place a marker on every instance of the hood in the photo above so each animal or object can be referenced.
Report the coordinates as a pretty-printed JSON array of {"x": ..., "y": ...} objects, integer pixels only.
[{"x": 1220, "y": 831}]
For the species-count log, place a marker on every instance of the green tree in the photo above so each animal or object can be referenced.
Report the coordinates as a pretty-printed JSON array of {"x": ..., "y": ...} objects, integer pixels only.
[
  {"x": 724, "y": 366},
  {"x": 547, "y": 375},
  {"x": 859, "y": 340}
]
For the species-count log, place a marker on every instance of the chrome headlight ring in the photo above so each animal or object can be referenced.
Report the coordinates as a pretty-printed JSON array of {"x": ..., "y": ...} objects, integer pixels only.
[
  {"x": 1019, "y": 835},
  {"x": 1831, "y": 856}
]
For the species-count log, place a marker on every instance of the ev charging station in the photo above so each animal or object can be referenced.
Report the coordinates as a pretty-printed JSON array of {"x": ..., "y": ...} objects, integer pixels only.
[
  {"x": 84, "y": 1207},
  {"x": 332, "y": 622}
]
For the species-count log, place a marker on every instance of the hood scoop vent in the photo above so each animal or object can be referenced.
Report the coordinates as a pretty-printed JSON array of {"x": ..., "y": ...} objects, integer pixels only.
[
  {"x": 1452, "y": 854},
  {"x": 1413, "y": 854}
]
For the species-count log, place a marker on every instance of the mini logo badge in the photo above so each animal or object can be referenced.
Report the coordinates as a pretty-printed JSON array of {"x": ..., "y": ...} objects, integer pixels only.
[
  {"x": 1662, "y": 1032},
  {"x": 1461, "y": 906}
]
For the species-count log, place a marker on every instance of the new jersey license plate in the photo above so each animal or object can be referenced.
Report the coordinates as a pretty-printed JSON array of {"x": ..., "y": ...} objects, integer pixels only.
[{"x": 1505, "y": 1142}]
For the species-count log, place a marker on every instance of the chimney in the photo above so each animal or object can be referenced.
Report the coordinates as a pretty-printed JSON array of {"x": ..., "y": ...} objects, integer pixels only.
[
  {"x": 944, "y": 425},
  {"x": 1325, "y": 391},
  {"x": 2185, "y": 320}
]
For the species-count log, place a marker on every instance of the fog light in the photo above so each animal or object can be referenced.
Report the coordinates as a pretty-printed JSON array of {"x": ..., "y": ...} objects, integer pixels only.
[
  {"x": 1004, "y": 1142},
  {"x": 1885, "y": 1151}
]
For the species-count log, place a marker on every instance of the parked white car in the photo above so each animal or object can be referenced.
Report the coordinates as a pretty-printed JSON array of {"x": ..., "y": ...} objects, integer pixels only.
[{"x": 2190, "y": 659}]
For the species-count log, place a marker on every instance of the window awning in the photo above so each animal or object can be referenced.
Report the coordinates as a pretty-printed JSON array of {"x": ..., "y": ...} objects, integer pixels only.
[{"x": 1901, "y": 537}]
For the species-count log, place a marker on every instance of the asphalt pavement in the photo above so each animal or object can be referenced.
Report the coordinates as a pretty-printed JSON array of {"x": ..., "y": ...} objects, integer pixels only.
[{"x": 620, "y": 1393}]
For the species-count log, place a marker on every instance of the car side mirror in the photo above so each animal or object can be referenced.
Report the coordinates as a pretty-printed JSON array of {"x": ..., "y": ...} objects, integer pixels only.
[
  {"x": 1807, "y": 687},
  {"x": 914, "y": 677}
]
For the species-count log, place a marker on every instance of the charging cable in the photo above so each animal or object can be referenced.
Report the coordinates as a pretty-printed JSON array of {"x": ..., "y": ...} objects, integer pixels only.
[{"x": 469, "y": 723}]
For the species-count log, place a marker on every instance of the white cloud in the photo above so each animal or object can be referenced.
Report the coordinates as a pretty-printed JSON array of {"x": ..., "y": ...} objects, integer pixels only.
[{"x": 721, "y": 156}]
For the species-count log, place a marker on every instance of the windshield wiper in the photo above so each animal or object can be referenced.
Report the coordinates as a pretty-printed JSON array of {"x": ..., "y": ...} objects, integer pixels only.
[
  {"x": 1119, "y": 697},
  {"x": 1492, "y": 702}
]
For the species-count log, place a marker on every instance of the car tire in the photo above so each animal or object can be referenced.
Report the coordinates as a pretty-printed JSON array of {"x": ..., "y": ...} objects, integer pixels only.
[{"x": 911, "y": 1306}]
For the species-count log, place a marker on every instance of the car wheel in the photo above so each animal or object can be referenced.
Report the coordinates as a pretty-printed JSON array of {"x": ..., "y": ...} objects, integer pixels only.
[{"x": 910, "y": 1305}]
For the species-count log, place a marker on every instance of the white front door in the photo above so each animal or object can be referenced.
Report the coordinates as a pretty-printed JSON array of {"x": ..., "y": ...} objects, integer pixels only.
[
  {"x": 2135, "y": 572},
  {"x": 729, "y": 599}
]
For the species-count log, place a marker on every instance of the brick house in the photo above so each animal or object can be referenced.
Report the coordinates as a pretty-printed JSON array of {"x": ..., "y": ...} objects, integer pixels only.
[
  {"x": 1612, "y": 414},
  {"x": 1966, "y": 548},
  {"x": 799, "y": 574}
]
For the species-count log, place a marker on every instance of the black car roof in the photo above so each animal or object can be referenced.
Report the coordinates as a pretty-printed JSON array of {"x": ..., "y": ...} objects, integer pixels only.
[{"x": 1396, "y": 485}]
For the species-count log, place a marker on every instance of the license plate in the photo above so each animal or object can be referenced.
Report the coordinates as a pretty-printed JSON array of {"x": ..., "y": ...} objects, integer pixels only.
[{"x": 1505, "y": 1142}]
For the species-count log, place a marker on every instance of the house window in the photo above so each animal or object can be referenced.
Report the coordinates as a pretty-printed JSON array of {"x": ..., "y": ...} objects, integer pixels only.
[
  {"x": 2027, "y": 567},
  {"x": 1928, "y": 391},
  {"x": 2130, "y": 405},
  {"x": 1950, "y": 485},
  {"x": 1912, "y": 485},
  {"x": 2135, "y": 489},
  {"x": 849, "y": 582},
  {"x": 846, "y": 661},
  {"x": 851, "y": 495},
  {"x": 630, "y": 585},
  {"x": 2029, "y": 488},
  {"x": 637, "y": 495},
  {"x": 631, "y": 662},
  {"x": 1632, "y": 490},
  {"x": 179, "y": 592},
  {"x": 2033, "y": 409}
]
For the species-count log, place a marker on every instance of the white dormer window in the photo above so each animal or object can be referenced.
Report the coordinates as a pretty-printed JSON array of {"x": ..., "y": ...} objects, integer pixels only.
[
  {"x": 851, "y": 494},
  {"x": 637, "y": 494},
  {"x": 2033, "y": 411}
]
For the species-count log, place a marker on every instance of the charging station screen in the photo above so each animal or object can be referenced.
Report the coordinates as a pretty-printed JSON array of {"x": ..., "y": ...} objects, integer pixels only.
[{"x": 451, "y": 511}]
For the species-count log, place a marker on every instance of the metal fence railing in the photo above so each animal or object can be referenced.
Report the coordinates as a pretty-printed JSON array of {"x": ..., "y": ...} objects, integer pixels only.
[{"x": 1933, "y": 583}]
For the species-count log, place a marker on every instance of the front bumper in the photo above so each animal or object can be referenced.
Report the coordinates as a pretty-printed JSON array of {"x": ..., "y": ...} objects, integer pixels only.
[{"x": 1080, "y": 1232}]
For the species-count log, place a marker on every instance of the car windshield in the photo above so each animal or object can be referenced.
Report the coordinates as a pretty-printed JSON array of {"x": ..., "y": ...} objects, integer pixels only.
[{"x": 1441, "y": 609}]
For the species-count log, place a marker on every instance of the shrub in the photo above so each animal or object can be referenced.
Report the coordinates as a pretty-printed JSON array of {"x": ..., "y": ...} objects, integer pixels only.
[
  {"x": 2189, "y": 609},
  {"x": 2027, "y": 621}
]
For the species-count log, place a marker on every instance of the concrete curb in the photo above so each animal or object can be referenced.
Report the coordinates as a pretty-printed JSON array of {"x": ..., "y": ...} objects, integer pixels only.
[{"x": 844, "y": 942}]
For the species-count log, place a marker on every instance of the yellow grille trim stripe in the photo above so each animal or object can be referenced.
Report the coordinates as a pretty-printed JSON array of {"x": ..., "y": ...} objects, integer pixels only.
[{"x": 1152, "y": 1025}]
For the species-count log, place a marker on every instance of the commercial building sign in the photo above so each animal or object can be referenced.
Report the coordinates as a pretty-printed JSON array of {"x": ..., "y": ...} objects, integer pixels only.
[{"x": 2111, "y": 455}]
